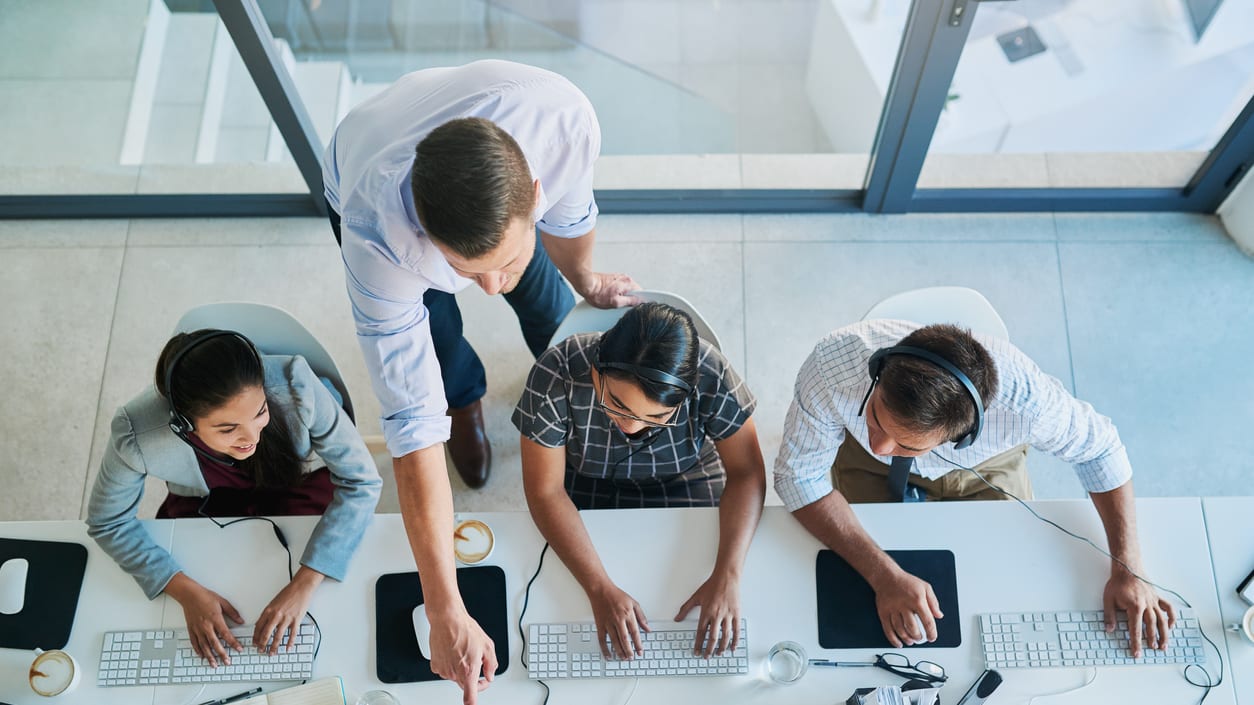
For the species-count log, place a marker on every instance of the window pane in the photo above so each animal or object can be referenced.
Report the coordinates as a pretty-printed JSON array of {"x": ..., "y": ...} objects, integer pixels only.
[
  {"x": 761, "y": 89},
  {"x": 130, "y": 96},
  {"x": 1060, "y": 93}
]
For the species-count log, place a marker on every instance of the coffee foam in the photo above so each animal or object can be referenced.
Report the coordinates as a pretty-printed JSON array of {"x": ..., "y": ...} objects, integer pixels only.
[
  {"x": 51, "y": 673},
  {"x": 472, "y": 541}
]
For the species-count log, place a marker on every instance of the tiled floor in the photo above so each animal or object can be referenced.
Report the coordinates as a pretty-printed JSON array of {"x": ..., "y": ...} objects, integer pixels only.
[{"x": 1148, "y": 317}]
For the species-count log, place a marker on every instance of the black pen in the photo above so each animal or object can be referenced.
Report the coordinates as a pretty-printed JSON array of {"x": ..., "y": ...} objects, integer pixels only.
[{"x": 233, "y": 698}]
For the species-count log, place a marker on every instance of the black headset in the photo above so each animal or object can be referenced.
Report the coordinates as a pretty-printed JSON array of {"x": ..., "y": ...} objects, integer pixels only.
[
  {"x": 876, "y": 365},
  {"x": 180, "y": 424},
  {"x": 647, "y": 373}
]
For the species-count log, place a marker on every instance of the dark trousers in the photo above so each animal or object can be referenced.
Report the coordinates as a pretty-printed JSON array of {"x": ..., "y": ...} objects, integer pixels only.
[{"x": 540, "y": 300}]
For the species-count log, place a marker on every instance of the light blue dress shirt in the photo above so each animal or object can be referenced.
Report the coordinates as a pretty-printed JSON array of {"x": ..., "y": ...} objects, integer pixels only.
[
  {"x": 389, "y": 262},
  {"x": 1030, "y": 408}
]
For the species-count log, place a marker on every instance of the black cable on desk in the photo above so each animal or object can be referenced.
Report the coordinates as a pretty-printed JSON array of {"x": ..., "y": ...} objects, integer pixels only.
[{"x": 522, "y": 657}]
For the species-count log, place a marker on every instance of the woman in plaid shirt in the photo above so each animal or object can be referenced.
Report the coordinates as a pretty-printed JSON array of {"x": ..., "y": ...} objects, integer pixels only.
[{"x": 644, "y": 415}]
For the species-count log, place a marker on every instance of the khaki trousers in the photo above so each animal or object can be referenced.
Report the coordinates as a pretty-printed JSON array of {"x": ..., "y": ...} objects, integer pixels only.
[{"x": 862, "y": 478}]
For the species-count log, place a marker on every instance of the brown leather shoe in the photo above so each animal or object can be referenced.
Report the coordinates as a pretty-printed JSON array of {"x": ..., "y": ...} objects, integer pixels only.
[{"x": 468, "y": 445}]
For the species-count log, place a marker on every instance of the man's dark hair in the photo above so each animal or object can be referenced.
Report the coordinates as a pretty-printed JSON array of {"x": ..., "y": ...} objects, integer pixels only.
[
  {"x": 657, "y": 337},
  {"x": 470, "y": 179},
  {"x": 926, "y": 398}
]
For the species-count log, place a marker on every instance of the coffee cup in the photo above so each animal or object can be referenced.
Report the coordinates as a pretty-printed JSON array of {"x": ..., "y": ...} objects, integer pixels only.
[
  {"x": 1246, "y": 626},
  {"x": 472, "y": 541},
  {"x": 53, "y": 673}
]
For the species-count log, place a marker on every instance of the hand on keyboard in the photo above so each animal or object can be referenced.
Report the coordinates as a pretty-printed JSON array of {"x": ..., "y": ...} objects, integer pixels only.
[
  {"x": 280, "y": 619},
  {"x": 899, "y": 597},
  {"x": 718, "y": 629},
  {"x": 206, "y": 613},
  {"x": 1145, "y": 611},
  {"x": 620, "y": 618}
]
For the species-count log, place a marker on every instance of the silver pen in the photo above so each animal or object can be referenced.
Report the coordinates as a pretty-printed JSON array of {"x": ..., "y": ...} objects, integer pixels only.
[{"x": 836, "y": 664}]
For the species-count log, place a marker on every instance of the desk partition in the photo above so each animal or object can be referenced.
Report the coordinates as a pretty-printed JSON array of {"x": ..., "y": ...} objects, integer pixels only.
[{"x": 1006, "y": 561}]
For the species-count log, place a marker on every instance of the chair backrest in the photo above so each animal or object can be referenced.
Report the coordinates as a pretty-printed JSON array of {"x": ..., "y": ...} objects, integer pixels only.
[
  {"x": 943, "y": 304},
  {"x": 586, "y": 318},
  {"x": 273, "y": 331}
]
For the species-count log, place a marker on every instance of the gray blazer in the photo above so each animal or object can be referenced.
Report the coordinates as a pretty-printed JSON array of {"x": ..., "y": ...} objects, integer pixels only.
[{"x": 143, "y": 444}]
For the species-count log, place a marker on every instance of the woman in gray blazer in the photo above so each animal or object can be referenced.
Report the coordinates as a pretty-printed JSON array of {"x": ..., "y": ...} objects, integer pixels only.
[{"x": 233, "y": 433}]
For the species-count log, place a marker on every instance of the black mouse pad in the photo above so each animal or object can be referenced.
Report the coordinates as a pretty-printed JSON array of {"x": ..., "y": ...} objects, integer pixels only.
[
  {"x": 54, "y": 578},
  {"x": 846, "y": 603},
  {"x": 395, "y": 597}
]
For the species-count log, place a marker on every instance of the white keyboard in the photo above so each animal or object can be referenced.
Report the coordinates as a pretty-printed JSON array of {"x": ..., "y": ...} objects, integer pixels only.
[
  {"x": 571, "y": 651},
  {"x": 165, "y": 657},
  {"x": 1066, "y": 639}
]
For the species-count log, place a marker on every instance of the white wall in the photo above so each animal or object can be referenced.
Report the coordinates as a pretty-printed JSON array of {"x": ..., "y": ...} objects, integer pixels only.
[{"x": 1237, "y": 214}]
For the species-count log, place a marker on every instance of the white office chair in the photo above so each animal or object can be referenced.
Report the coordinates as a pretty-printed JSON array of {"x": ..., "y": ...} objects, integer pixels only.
[
  {"x": 273, "y": 331},
  {"x": 586, "y": 318},
  {"x": 943, "y": 304}
]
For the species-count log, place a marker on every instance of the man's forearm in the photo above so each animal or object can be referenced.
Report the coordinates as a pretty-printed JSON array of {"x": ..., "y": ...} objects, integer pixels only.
[
  {"x": 1117, "y": 509},
  {"x": 427, "y": 510},
  {"x": 571, "y": 255},
  {"x": 832, "y": 521}
]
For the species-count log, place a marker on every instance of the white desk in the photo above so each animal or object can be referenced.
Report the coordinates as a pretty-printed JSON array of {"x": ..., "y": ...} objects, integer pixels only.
[
  {"x": 106, "y": 591},
  {"x": 1230, "y": 526},
  {"x": 1006, "y": 561}
]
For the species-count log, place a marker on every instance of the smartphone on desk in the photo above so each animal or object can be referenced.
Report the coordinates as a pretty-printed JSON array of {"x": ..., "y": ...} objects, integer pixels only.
[{"x": 1246, "y": 589}]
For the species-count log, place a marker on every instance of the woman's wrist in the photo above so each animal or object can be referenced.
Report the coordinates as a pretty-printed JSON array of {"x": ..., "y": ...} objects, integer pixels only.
[
  {"x": 307, "y": 578},
  {"x": 180, "y": 587}
]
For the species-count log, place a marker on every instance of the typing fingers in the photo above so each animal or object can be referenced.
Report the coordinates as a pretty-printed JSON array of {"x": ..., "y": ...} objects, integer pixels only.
[
  {"x": 1164, "y": 627},
  {"x": 633, "y": 642},
  {"x": 704, "y": 638},
  {"x": 201, "y": 647},
  {"x": 603, "y": 638},
  {"x": 1148, "y": 617},
  {"x": 1134, "y": 635},
  {"x": 620, "y": 639},
  {"x": 1170, "y": 609},
  {"x": 726, "y": 634},
  {"x": 214, "y": 645}
]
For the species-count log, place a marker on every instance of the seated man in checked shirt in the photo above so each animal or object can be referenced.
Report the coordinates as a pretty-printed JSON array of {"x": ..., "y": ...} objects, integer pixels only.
[
  {"x": 645, "y": 415},
  {"x": 910, "y": 415}
]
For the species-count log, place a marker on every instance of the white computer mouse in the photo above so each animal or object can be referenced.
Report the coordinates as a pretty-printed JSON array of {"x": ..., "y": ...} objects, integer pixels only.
[
  {"x": 13, "y": 585},
  {"x": 422, "y": 630}
]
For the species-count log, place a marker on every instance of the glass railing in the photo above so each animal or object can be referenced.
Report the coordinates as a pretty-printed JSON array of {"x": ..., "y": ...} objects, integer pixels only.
[{"x": 130, "y": 97}]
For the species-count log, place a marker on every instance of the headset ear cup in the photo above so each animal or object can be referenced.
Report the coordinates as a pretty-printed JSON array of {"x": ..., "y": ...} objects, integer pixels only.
[{"x": 180, "y": 424}]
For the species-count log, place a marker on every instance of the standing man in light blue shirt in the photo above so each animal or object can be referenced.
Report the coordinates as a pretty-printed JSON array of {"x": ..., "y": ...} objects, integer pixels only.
[{"x": 440, "y": 182}]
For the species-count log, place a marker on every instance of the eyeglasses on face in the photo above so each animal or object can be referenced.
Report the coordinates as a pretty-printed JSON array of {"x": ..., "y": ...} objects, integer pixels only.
[{"x": 670, "y": 422}]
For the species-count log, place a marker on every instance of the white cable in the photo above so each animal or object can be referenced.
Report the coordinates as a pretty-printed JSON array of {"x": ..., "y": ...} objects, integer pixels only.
[
  {"x": 634, "y": 682},
  {"x": 1069, "y": 691}
]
